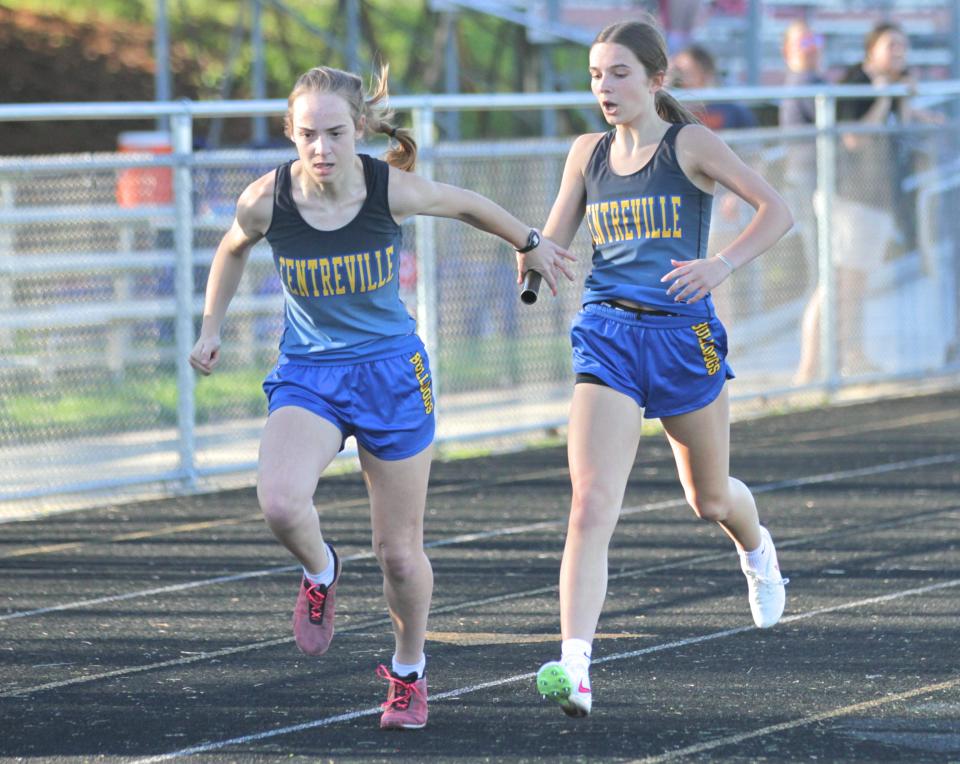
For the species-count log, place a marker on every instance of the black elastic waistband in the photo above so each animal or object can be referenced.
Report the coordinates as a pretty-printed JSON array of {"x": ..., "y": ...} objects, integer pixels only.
[{"x": 638, "y": 312}]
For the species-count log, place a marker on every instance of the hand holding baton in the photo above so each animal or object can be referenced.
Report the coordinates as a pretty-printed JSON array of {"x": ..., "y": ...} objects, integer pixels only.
[{"x": 531, "y": 287}]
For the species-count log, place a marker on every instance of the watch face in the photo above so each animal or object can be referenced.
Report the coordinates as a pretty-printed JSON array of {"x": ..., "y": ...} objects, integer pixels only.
[{"x": 533, "y": 241}]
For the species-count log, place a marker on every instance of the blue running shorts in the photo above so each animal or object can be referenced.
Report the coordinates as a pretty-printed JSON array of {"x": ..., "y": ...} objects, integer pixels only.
[
  {"x": 387, "y": 404},
  {"x": 669, "y": 365}
]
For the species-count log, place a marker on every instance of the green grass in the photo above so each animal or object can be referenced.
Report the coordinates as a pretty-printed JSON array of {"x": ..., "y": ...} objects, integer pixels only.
[
  {"x": 490, "y": 362},
  {"x": 146, "y": 399},
  {"x": 131, "y": 404}
]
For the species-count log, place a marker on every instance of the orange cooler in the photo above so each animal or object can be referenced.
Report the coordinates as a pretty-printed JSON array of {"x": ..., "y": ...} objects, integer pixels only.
[{"x": 144, "y": 185}]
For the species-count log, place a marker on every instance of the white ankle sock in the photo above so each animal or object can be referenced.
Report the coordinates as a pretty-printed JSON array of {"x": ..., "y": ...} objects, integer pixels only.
[
  {"x": 757, "y": 559},
  {"x": 326, "y": 575},
  {"x": 405, "y": 669},
  {"x": 575, "y": 649}
]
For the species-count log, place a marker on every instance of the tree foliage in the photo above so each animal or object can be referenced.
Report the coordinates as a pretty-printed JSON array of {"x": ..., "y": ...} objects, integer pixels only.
[{"x": 212, "y": 54}]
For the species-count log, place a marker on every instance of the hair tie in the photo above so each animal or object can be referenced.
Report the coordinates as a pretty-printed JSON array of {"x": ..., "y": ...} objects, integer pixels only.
[{"x": 393, "y": 132}]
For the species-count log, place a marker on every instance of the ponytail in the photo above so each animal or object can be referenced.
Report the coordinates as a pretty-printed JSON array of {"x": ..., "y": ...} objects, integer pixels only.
[
  {"x": 371, "y": 107},
  {"x": 403, "y": 155},
  {"x": 670, "y": 109}
]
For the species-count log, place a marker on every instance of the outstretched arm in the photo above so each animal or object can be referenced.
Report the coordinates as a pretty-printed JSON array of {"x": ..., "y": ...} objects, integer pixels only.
[{"x": 411, "y": 195}]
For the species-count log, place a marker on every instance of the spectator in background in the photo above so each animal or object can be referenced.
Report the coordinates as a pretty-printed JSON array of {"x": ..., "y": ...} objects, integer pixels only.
[
  {"x": 694, "y": 67},
  {"x": 875, "y": 159},
  {"x": 802, "y": 54},
  {"x": 870, "y": 212},
  {"x": 679, "y": 18}
]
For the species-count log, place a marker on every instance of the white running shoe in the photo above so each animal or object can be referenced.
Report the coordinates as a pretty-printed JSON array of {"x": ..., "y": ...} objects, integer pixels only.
[
  {"x": 567, "y": 683},
  {"x": 767, "y": 588}
]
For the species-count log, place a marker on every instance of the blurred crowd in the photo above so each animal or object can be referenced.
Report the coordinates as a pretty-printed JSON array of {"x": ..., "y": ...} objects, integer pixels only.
[{"x": 874, "y": 214}]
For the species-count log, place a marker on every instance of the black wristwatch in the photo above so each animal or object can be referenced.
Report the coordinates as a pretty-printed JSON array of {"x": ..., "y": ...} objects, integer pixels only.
[{"x": 533, "y": 241}]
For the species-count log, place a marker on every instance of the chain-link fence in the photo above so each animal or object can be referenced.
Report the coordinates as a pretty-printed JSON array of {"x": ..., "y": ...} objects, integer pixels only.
[{"x": 104, "y": 260}]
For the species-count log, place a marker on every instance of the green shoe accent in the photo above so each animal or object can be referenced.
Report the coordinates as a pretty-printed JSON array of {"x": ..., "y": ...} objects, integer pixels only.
[{"x": 554, "y": 683}]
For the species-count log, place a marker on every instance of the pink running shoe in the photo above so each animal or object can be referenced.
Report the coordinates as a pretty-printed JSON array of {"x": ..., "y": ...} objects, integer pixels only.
[
  {"x": 313, "y": 613},
  {"x": 406, "y": 706}
]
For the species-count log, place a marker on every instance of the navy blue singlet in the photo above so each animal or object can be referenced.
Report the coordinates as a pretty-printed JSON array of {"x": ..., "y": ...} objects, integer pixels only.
[
  {"x": 341, "y": 288},
  {"x": 639, "y": 222}
]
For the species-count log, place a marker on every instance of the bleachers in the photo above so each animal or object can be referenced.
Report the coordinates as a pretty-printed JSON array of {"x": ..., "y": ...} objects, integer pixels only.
[{"x": 724, "y": 28}]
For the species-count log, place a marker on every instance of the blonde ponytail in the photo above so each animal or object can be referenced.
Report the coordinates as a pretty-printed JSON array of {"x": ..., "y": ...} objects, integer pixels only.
[
  {"x": 403, "y": 155},
  {"x": 372, "y": 107}
]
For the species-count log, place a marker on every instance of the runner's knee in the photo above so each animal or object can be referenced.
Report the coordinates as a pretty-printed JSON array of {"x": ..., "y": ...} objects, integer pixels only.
[
  {"x": 281, "y": 507},
  {"x": 594, "y": 508},
  {"x": 712, "y": 508},
  {"x": 398, "y": 562}
]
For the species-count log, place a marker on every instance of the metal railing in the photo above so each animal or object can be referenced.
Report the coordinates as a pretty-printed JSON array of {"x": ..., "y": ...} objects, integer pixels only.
[{"x": 184, "y": 256}]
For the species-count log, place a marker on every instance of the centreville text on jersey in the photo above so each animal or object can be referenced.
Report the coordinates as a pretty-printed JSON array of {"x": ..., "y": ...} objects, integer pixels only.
[
  {"x": 338, "y": 274},
  {"x": 644, "y": 217}
]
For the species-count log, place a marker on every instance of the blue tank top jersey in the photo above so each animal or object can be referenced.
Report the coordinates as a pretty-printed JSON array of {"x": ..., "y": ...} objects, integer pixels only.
[
  {"x": 341, "y": 288},
  {"x": 639, "y": 222}
]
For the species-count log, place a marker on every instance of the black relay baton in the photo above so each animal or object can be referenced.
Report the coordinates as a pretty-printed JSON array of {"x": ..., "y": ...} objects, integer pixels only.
[{"x": 531, "y": 287}]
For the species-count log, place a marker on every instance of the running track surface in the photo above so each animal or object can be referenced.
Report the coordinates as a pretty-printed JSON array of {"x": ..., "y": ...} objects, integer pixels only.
[{"x": 160, "y": 631}]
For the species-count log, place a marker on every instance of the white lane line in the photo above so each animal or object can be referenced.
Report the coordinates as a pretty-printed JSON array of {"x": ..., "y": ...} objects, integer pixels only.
[
  {"x": 465, "y": 538},
  {"x": 866, "y": 705},
  {"x": 911, "y": 420},
  {"x": 827, "y": 477},
  {"x": 257, "y": 517},
  {"x": 830, "y": 477},
  {"x": 148, "y": 592},
  {"x": 326, "y": 722},
  {"x": 186, "y": 661},
  {"x": 459, "y": 606},
  {"x": 453, "y": 540},
  {"x": 349, "y": 716},
  {"x": 452, "y": 607}
]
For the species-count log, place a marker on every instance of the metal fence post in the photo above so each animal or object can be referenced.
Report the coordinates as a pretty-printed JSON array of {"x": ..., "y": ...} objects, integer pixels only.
[
  {"x": 427, "y": 292},
  {"x": 7, "y": 238},
  {"x": 118, "y": 340},
  {"x": 826, "y": 115},
  {"x": 182, "y": 128}
]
